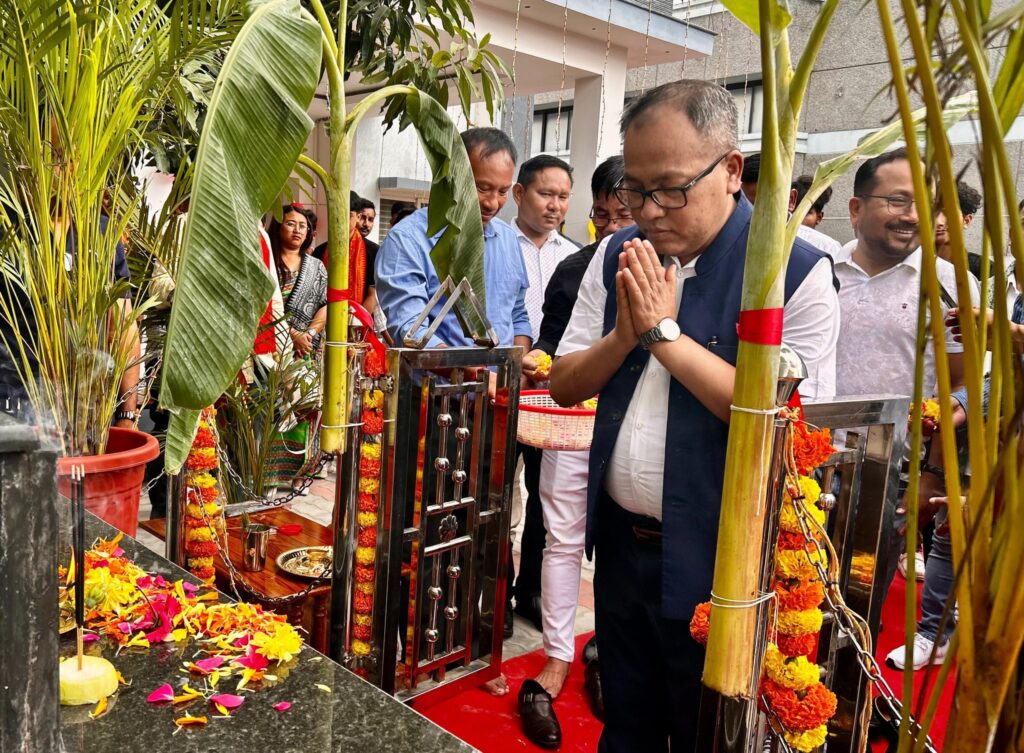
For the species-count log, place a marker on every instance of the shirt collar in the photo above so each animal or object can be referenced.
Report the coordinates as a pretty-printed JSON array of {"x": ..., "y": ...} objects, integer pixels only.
[
  {"x": 913, "y": 262},
  {"x": 553, "y": 236},
  {"x": 489, "y": 231}
]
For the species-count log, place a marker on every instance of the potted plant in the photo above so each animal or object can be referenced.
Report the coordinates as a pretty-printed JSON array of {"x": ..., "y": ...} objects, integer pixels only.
[{"x": 77, "y": 102}]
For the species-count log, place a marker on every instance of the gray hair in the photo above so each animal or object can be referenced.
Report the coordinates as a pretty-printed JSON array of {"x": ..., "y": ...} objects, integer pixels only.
[{"x": 709, "y": 107}]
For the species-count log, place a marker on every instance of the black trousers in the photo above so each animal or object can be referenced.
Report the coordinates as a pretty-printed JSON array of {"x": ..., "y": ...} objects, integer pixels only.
[
  {"x": 650, "y": 666},
  {"x": 531, "y": 553}
]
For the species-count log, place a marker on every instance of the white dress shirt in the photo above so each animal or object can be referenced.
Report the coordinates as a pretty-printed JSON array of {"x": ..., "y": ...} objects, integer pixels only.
[
  {"x": 636, "y": 470},
  {"x": 819, "y": 240},
  {"x": 878, "y": 335},
  {"x": 540, "y": 265}
]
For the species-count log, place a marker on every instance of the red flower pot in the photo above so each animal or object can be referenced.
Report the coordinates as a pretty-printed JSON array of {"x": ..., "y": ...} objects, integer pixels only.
[{"x": 113, "y": 480}]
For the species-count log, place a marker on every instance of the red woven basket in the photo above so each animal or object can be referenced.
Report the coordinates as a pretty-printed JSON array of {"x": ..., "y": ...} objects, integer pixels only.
[{"x": 545, "y": 424}]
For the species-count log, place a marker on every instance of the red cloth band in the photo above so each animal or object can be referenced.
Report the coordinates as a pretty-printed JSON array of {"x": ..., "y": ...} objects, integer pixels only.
[
  {"x": 335, "y": 295},
  {"x": 760, "y": 326}
]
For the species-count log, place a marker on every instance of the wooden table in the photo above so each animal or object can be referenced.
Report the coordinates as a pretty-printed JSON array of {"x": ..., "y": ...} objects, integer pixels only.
[{"x": 311, "y": 612}]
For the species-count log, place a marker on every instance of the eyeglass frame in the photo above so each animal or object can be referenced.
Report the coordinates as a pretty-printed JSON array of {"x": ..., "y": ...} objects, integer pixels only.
[
  {"x": 645, "y": 194},
  {"x": 609, "y": 220},
  {"x": 888, "y": 202}
]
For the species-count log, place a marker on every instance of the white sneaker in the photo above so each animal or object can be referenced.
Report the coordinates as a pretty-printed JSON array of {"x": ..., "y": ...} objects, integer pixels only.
[
  {"x": 918, "y": 565},
  {"x": 922, "y": 653}
]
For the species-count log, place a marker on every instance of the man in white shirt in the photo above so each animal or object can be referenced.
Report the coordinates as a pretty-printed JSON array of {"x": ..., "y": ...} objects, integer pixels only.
[
  {"x": 660, "y": 351},
  {"x": 541, "y": 193},
  {"x": 880, "y": 280}
]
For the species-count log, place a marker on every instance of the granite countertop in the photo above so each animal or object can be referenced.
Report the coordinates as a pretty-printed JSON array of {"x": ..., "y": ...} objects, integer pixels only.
[{"x": 354, "y": 716}]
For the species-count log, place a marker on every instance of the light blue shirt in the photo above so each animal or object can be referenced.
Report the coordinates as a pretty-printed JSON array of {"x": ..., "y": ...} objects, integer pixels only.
[{"x": 406, "y": 280}]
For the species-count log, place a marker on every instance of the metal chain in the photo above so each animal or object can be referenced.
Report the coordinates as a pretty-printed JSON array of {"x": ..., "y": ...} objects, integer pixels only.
[
  {"x": 647, "y": 44},
  {"x": 267, "y": 499},
  {"x": 561, "y": 88},
  {"x": 604, "y": 72}
]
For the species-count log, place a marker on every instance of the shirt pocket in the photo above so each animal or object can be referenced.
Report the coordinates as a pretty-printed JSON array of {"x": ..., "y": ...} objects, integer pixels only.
[{"x": 502, "y": 293}]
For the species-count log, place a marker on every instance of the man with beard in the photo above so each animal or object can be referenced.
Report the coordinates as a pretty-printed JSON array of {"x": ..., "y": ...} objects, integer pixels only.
[
  {"x": 365, "y": 218},
  {"x": 880, "y": 279}
]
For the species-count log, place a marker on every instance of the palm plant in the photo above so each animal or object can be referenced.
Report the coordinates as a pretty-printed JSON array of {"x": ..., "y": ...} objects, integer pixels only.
[
  {"x": 245, "y": 158},
  {"x": 79, "y": 84},
  {"x": 988, "y": 552}
]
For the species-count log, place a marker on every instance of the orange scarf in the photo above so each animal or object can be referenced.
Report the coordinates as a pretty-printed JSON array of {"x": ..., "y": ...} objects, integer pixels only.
[{"x": 356, "y": 289}]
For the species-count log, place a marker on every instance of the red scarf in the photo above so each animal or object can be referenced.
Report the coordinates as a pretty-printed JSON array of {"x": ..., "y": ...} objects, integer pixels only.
[
  {"x": 356, "y": 289},
  {"x": 265, "y": 341}
]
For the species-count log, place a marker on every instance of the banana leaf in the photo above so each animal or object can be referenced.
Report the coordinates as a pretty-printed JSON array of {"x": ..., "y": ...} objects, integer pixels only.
[{"x": 255, "y": 128}]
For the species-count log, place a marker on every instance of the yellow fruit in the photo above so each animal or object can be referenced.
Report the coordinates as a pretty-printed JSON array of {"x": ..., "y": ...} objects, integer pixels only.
[{"x": 95, "y": 680}]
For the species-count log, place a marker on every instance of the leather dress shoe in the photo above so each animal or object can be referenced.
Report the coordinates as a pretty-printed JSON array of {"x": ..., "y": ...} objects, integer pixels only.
[
  {"x": 529, "y": 607},
  {"x": 509, "y": 624},
  {"x": 592, "y": 684},
  {"x": 589, "y": 653},
  {"x": 540, "y": 725}
]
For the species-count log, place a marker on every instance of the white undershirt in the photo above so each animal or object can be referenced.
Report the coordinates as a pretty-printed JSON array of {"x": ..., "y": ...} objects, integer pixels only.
[{"x": 635, "y": 475}]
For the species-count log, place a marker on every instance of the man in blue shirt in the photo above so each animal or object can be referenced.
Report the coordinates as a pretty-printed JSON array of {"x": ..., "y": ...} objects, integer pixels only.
[{"x": 406, "y": 278}]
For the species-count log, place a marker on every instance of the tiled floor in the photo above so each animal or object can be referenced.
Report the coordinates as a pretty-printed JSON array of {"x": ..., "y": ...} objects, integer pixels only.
[{"x": 319, "y": 505}]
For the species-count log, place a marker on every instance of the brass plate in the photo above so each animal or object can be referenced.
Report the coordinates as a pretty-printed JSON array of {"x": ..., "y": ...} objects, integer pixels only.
[{"x": 306, "y": 561}]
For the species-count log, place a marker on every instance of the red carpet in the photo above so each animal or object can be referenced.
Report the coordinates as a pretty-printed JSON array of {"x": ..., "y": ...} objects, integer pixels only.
[{"x": 492, "y": 724}]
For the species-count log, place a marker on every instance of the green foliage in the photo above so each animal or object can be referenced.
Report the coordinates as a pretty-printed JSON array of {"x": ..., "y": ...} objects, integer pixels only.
[{"x": 256, "y": 127}]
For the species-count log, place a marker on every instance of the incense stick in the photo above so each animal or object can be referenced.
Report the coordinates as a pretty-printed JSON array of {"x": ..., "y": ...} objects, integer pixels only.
[{"x": 78, "y": 540}]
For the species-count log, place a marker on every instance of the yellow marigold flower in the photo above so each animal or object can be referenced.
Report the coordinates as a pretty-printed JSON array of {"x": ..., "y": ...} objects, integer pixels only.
[
  {"x": 799, "y": 622},
  {"x": 370, "y": 450},
  {"x": 794, "y": 673},
  {"x": 369, "y": 485},
  {"x": 367, "y": 519},
  {"x": 365, "y": 555},
  {"x": 807, "y": 741},
  {"x": 373, "y": 399},
  {"x": 360, "y": 648},
  {"x": 362, "y": 619},
  {"x": 543, "y": 362},
  {"x": 796, "y": 563},
  {"x": 202, "y": 533},
  {"x": 198, "y": 562},
  {"x": 281, "y": 645},
  {"x": 108, "y": 592},
  {"x": 204, "y": 480},
  {"x": 366, "y": 588}
]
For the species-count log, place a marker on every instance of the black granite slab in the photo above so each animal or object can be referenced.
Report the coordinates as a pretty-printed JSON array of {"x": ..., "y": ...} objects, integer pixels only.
[{"x": 354, "y": 716}]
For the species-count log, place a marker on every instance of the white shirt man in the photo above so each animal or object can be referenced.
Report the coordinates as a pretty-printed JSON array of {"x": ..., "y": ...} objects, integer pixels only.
[{"x": 819, "y": 240}]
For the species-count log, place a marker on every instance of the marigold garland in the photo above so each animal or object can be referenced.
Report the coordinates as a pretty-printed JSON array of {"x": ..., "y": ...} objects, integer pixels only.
[
  {"x": 809, "y": 740},
  {"x": 797, "y": 564},
  {"x": 811, "y": 447},
  {"x": 797, "y": 645},
  {"x": 793, "y": 672},
  {"x": 798, "y": 622},
  {"x": 203, "y": 518},
  {"x": 796, "y": 594},
  {"x": 700, "y": 624}
]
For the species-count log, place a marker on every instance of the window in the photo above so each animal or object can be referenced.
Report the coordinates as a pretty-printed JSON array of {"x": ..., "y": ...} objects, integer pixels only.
[
  {"x": 551, "y": 133},
  {"x": 749, "y": 97}
]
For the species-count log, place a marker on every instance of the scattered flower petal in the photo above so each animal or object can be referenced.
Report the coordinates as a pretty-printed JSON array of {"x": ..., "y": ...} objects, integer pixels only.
[
  {"x": 221, "y": 710},
  {"x": 252, "y": 660},
  {"x": 100, "y": 709},
  {"x": 90, "y": 637},
  {"x": 187, "y": 721},
  {"x": 228, "y": 700},
  {"x": 324, "y": 688},
  {"x": 164, "y": 693},
  {"x": 189, "y": 587},
  {"x": 282, "y": 706},
  {"x": 210, "y": 664},
  {"x": 121, "y": 680}
]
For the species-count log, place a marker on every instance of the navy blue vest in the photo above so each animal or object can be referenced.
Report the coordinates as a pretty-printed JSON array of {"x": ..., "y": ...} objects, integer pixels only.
[{"x": 696, "y": 440}]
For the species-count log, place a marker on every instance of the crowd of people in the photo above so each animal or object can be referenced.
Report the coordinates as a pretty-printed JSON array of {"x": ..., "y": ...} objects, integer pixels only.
[{"x": 646, "y": 315}]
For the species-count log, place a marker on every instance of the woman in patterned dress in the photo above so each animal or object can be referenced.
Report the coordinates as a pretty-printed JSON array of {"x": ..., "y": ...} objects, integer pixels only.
[{"x": 304, "y": 290}]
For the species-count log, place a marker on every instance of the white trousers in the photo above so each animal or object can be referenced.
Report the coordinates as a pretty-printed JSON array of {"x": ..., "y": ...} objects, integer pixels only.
[{"x": 563, "y": 494}]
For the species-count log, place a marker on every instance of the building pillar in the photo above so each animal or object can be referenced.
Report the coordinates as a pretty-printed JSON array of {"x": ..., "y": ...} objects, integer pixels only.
[{"x": 594, "y": 136}]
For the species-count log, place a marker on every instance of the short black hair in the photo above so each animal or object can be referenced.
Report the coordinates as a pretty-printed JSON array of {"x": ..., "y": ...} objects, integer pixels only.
[
  {"x": 528, "y": 170},
  {"x": 803, "y": 184},
  {"x": 353, "y": 201},
  {"x": 1020, "y": 206},
  {"x": 969, "y": 198},
  {"x": 710, "y": 109},
  {"x": 864, "y": 180},
  {"x": 361, "y": 204},
  {"x": 607, "y": 176},
  {"x": 751, "y": 168},
  {"x": 400, "y": 210},
  {"x": 489, "y": 141}
]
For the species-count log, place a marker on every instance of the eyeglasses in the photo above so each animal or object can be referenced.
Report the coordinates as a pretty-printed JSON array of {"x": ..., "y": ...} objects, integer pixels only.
[
  {"x": 666, "y": 198},
  {"x": 895, "y": 204},
  {"x": 601, "y": 220},
  {"x": 292, "y": 225}
]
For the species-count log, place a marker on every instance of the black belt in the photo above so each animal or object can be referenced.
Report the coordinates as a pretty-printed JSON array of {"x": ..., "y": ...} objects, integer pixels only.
[{"x": 644, "y": 528}]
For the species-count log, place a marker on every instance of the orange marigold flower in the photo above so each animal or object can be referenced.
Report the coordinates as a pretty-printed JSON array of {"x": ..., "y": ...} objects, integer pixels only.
[
  {"x": 373, "y": 364},
  {"x": 373, "y": 421},
  {"x": 364, "y": 574},
  {"x": 204, "y": 573},
  {"x": 811, "y": 447},
  {"x": 368, "y": 537},
  {"x": 700, "y": 624},
  {"x": 798, "y": 645},
  {"x": 799, "y": 593},
  {"x": 201, "y": 548},
  {"x": 800, "y": 710},
  {"x": 369, "y": 468},
  {"x": 204, "y": 438},
  {"x": 363, "y": 603},
  {"x": 361, "y": 632},
  {"x": 367, "y": 502},
  {"x": 202, "y": 459}
]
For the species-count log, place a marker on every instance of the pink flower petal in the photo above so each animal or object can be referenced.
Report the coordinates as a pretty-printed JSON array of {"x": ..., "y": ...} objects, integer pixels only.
[
  {"x": 164, "y": 693},
  {"x": 252, "y": 660},
  {"x": 227, "y": 700},
  {"x": 208, "y": 665},
  {"x": 89, "y": 637},
  {"x": 242, "y": 641},
  {"x": 189, "y": 587},
  {"x": 125, "y": 628},
  {"x": 118, "y": 552},
  {"x": 159, "y": 635},
  {"x": 282, "y": 706}
]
